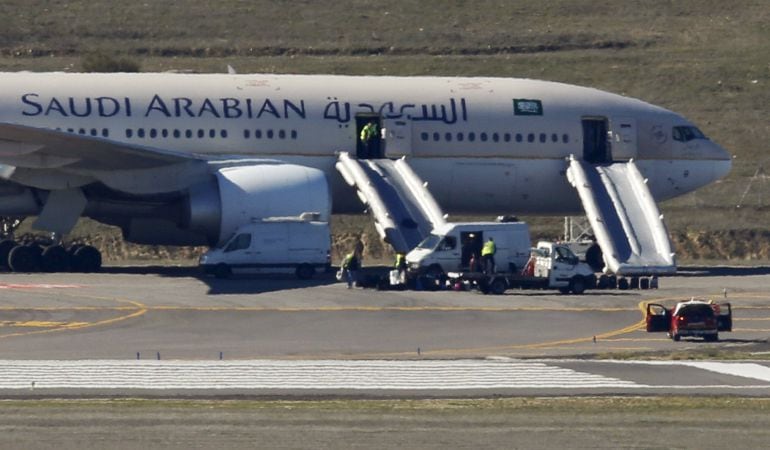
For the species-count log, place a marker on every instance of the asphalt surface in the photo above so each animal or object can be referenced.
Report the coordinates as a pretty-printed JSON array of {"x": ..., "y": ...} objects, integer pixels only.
[{"x": 150, "y": 313}]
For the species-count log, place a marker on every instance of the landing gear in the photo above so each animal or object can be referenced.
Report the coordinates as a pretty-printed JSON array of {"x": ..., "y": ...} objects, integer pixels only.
[{"x": 36, "y": 257}]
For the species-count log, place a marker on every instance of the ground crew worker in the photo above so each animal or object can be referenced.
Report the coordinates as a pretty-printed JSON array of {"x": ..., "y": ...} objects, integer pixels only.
[
  {"x": 400, "y": 266},
  {"x": 350, "y": 266},
  {"x": 488, "y": 256},
  {"x": 368, "y": 135}
]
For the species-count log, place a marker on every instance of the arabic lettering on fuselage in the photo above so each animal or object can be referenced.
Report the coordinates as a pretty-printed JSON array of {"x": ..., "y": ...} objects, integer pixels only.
[
  {"x": 34, "y": 104},
  {"x": 448, "y": 113}
]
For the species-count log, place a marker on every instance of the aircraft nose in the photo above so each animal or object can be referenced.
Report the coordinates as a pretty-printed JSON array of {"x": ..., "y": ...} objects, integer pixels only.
[{"x": 723, "y": 161}]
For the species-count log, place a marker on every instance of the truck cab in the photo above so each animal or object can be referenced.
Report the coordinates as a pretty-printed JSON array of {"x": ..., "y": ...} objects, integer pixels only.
[{"x": 562, "y": 268}]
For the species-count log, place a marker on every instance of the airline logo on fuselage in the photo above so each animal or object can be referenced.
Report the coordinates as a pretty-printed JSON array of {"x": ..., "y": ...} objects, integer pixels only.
[{"x": 34, "y": 104}]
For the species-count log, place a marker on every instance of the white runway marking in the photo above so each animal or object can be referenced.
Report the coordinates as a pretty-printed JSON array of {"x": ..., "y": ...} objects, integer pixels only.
[
  {"x": 264, "y": 374},
  {"x": 746, "y": 370}
]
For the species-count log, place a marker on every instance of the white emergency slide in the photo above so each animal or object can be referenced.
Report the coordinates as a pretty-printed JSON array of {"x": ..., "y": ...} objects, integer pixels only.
[
  {"x": 404, "y": 210},
  {"x": 626, "y": 221}
]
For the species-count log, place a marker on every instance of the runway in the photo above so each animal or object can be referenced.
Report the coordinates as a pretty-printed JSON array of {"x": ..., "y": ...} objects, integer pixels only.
[{"x": 149, "y": 317}]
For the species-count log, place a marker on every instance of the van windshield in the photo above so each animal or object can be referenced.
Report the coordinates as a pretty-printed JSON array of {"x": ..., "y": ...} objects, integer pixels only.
[{"x": 430, "y": 242}]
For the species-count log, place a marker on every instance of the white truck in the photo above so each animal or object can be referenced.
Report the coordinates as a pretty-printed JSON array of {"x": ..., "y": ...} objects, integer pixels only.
[
  {"x": 273, "y": 245},
  {"x": 551, "y": 266},
  {"x": 453, "y": 246}
]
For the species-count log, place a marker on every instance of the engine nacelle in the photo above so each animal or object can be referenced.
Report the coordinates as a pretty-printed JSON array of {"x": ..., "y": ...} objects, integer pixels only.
[{"x": 246, "y": 193}]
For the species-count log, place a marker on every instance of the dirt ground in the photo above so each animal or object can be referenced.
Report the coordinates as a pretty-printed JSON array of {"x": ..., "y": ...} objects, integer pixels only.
[{"x": 506, "y": 423}]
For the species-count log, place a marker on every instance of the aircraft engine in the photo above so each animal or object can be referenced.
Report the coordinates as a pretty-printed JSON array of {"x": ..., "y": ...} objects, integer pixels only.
[{"x": 242, "y": 194}]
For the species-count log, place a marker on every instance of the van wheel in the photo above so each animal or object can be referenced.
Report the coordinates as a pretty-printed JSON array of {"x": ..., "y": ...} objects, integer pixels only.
[
  {"x": 497, "y": 287},
  {"x": 676, "y": 337},
  {"x": 711, "y": 337},
  {"x": 577, "y": 285},
  {"x": 222, "y": 271},
  {"x": 305, "y": 271}
]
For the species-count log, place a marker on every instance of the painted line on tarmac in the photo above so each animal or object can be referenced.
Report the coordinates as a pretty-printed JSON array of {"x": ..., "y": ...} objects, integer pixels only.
[{"x": 280, "y": 374}]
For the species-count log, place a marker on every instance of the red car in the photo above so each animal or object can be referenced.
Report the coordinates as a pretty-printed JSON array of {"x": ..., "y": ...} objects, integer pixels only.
[{"x": 697, "y": 318}]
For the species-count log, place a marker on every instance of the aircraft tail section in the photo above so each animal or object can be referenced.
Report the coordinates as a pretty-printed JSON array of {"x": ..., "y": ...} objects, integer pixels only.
[
  {"x": 626, "y": 221},
  {"x": 404, "y": 210}
]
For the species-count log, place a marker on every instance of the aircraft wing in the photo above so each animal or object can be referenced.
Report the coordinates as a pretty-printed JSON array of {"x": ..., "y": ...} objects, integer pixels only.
[{"x": 50, "y": 159}]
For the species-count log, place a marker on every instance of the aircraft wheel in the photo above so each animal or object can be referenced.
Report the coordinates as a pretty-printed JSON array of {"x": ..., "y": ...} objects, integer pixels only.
[
  {"x": 55, "y": 259},
  {"x": 305, "y": 271},
  {"x": 6, "y": 245},
  {"x": 623, "y": 283},
  {"x": 24, "y": 258},
  {"x": 644, "y": 283},
  {"x": 86, "y": 259}
]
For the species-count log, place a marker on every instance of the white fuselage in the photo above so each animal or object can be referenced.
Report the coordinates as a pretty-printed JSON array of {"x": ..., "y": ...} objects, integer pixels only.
[{"x": 484, "y": 145}]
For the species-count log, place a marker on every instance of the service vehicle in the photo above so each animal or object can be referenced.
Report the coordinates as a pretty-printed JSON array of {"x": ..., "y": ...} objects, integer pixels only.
[
  {"x": 550, "y": 266},
  {"x": 300, "y": 245},
  {"x": 457, "y": 247},
  {"x": 697, "y": 318}
]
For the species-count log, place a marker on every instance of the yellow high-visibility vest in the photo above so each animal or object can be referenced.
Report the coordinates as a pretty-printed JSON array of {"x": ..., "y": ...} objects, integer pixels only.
[{"x": 488, "y": 249}]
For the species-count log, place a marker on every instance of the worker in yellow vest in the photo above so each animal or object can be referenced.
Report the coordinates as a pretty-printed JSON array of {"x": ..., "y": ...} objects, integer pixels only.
[
  {"x": 369, "y": 134},
  {"x": 488, "y": 256}
]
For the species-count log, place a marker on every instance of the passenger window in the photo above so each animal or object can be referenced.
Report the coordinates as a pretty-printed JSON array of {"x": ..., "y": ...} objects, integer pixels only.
[
  {"x": 223, "y": 134},
  {"x": 424, "y": 136},
  {"x": 240, "y": 242},
  {"x": 282, "y": 134},
  {"x": 483, "y": 137},
  {"x": 507, "y": 137},
  {"x": 294, "y": 134},
  {"x": 471, "y": 136},
  {"x": 519, "y": 137},
  {"x": 460, "y": 137},
  {"x": 201, "y": 133},
  {"x": 543, "y": 138},
  {"x": 495, "y": 137},
  {"x": 448, "y": 136},
  {"x": 246, "y": 134},
  {"x": 177, "y": 134},
  {"x": 140, "y": 132},
  {"x": 531, "y": 137}
]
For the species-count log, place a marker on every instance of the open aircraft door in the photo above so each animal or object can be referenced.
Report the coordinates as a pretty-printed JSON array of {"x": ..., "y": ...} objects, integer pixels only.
[
  {"x": 724, "y": 313},
  {"x": 658, "y": 318},
  {"x": 398, "y": 137},
  {"x": 624, "y": 146}
]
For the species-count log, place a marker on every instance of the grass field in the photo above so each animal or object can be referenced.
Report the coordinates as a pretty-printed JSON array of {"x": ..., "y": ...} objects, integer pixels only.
[{"x": 707, "y": 59}]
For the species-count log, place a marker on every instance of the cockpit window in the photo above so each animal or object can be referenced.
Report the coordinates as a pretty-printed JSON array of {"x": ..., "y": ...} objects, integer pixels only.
[{"x": 686, "y": 134}]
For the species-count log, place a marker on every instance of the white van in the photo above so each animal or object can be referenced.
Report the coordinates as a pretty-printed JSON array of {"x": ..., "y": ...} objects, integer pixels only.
[
  {"x": 450, "y": 247},
  {"x": 277, "y": 245}
]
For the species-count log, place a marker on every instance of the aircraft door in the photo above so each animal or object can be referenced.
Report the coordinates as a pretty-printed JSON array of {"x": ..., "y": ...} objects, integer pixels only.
[
  {"x": 369, "y": 143},
  {"x": 596, "y": 145},
  {"x": 398, "y": 137},
  {"x": 623, "y": 138}
]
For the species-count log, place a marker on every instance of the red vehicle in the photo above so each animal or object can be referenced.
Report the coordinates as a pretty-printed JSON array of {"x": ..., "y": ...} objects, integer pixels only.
[{"x": 697, "y": 318}]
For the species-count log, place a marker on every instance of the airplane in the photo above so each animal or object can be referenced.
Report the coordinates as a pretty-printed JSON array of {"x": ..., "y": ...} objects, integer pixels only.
[{"x": 184, "y": 159}]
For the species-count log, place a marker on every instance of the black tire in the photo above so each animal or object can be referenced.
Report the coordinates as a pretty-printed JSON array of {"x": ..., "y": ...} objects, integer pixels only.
[
  {"x": 644, "y": 283},
  {"x": 564, "y": 290},
  {"x": 676, "y": 337},
  {"x": 577, "y": 285},
  {"x": 435, "y": 271},
  {"x": 497, "y": 286},
  {"x": 24, "y": 258},
  {"x": 6, "y": 245},
  {"x": 711, "y": 337},
  {"x": 634, "y": 283},
  {"x": 595, "y": 258},
  {"x": 623, "y": 283},
  {"x": 305, "y": 271},
  {"x": 222, "y": 270},
  {"x": 55, "y": 259},
  {"x": 86, "y": 259}
]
